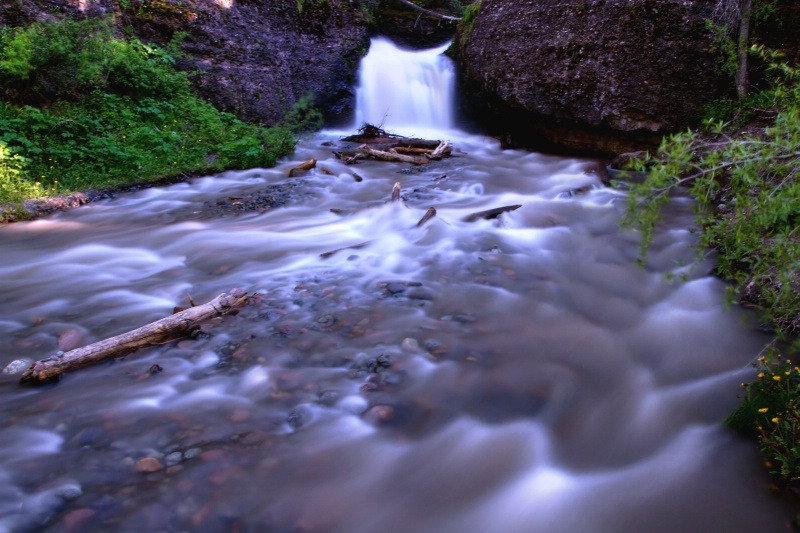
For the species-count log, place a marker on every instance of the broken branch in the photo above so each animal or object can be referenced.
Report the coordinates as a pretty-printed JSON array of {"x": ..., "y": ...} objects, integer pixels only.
[{"x": 490, "y": 213}]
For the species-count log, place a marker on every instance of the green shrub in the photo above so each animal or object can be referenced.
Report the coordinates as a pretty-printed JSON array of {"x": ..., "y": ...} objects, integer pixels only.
[
  {"x": 50, "y": 61},
  {"x": 747, "y": 193},
  {"x": 304, "y": 117},
  {"x": 128, "y": 116}
]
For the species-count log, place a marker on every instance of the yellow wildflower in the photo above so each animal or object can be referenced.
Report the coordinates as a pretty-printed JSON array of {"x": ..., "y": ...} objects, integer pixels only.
[
  {"x": 760, "y": 374},
  {"x": 776, "y": 378},
  {"x": 775, "y": 420},
  {"x": 763, "y": 410}
]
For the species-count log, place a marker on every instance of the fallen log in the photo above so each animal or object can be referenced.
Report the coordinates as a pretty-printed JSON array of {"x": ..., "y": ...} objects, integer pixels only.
[
  {"x": 444, "y": 148},
  {"x": 391, "y": 155},
  {"x": 490, "y": 213},
  {"x": 158, "y": 332},
  {"x": 413, "y": 151}
]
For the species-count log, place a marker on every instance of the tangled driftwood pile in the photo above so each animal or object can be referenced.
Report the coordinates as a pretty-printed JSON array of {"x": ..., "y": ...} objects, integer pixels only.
[{"x": 375, "y": 143}]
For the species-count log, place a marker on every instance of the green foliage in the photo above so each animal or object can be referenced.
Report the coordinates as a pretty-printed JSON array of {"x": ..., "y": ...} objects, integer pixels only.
[
  {"x": 748, "y": 198},
  {"x": 138, "y": 120},
  {"x": 304, "y": 117},
  {"x": 770, "y": 412},
  {"x": 50, "y": 61},
  {"x": 725, "y": 46},
  {"x": 747, "y": 192}
]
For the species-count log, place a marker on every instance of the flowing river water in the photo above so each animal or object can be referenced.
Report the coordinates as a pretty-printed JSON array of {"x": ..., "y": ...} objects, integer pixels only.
[{"x": 508, "y": 375}]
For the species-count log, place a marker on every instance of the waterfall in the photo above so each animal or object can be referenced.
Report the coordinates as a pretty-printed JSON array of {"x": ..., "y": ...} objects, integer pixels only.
[{"x": 405, "y": 90}]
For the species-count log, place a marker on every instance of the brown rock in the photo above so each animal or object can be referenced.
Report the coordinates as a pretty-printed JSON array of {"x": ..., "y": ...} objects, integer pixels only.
[
  {"x": 148, "y": 465},
  {"x": 69, "y": 339}
]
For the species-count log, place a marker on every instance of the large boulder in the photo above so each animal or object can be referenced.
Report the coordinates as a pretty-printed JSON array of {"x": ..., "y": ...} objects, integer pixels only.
[
  {"x": 255, "y": 58},
  {"x": 591, "y": 76}
]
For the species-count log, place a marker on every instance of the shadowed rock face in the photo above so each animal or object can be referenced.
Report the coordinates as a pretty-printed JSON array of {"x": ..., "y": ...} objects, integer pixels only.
[
  {"x": 256, "y": 57},
  {"x": 589, "y": 75}
]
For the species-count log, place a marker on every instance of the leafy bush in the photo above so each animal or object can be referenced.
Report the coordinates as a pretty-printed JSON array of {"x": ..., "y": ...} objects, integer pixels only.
[
  {"x": 303, "y": 117},
  {"x": 46, "y": 61},
  {"x": 123, "y": 115},
  {"x": 748, "y": 209}
]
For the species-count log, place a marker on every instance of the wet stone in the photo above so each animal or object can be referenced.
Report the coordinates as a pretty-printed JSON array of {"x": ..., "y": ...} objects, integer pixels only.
[
  {"x": 17, "y": 367},
  {"x": 395, "y": 288},
  {"x": 382, "y": 362},
  {"x": 420, "y": 294},
  {"x": 379, "y": 414},
  {"x": 71, "y": 493},
  {"x": 295, "y": 418},
  {"x": 410, "y": 344},
  {"x": 192, "y": 453},
  {"x": 173, "y": 459},
  {"x": 148, "y": 465},
  {"x": 327, "y": 321},
  {"x": 329, "y": 397},
  {"x": 434, "y": 346}
]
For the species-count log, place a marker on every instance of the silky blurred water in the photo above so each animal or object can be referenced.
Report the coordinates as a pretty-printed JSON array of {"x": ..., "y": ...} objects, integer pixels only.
[{"x": 516, "y": 374}]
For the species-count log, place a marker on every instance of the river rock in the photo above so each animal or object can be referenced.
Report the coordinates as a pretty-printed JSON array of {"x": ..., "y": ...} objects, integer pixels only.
[
  {"x": 601, "y": 77},
  {"x": 148, "y": 465},
  {"x": 17, "y": 366}
]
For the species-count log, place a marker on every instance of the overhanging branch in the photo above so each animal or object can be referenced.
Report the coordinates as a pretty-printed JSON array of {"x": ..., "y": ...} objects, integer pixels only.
[{"x": 428, "y": 12}]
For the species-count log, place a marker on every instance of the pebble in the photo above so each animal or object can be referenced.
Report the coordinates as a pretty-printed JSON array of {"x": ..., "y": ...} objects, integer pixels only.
[
  {"x": 71, "y": 493},
  {"x": 192, "y": 453},
  {"x": 379, "y": 413},
  {"x": 17, "y": 366},
  {"x": 329, "y": 397},
  {"x": 410, "y": 344},
  {"x": 70, "y": 339},
  {"x": 76, "y": 520},
  {"x": 173, "y": 459},
  {"x": 148, "y": 465},
  {"x": 433, "y": 346}
]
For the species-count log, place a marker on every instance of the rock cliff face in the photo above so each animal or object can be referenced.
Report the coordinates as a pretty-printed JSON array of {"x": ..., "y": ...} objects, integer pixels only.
[
  {"x": 599, "y": 76},
  {"x": 255, "y": 57}
]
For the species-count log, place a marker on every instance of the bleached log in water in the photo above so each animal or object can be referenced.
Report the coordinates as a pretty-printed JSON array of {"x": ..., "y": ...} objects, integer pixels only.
[{"x": 159, "y": 332}]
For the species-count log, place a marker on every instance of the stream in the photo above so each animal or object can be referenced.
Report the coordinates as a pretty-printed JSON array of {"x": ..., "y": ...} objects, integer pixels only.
[{"x": 510, "y": 375}]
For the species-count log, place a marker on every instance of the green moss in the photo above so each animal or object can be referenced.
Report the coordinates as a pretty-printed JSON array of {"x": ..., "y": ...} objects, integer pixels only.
[{"x": 464, "y": 29}]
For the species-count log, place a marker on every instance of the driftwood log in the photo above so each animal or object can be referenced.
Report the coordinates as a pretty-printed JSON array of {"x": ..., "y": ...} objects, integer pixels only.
[
  {"x": 490, "y": 213},
  {"x": 391, "y": 155},
  {"x": 167, "y": 329}
]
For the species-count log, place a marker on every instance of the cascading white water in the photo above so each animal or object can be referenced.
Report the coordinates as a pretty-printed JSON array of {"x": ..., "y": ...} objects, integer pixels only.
[
  {"x": 513, "y": 375},
  {"x": 405, "y": 91}
]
